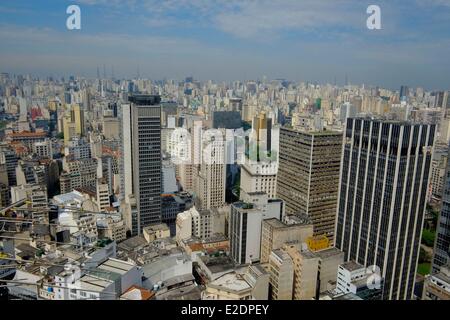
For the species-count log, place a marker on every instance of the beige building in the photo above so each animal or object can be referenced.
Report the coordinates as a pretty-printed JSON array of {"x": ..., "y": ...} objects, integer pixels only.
[
  {"x": 252, "y": 284},
  {"x": 274, "y": 234},
  {"x": 281, "y": 269},
  {"x": 156, "y": 231},
  {"x": 306, "y": 266},
  {"x": 111, "y": 128},
  {"x": 329, "y": 261},
  {"x": 113, "y": 228},
  {"x": 201, "y": 224},
  {"x": 102, "y": 195},
  {"x": 437, "y": 286},
  {"x": 259, "y": 177},
  {"x": 313, "y": 271}
]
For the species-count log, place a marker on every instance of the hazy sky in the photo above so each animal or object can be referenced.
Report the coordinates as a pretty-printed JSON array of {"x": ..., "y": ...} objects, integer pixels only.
[{"x": 310, "y": 40}]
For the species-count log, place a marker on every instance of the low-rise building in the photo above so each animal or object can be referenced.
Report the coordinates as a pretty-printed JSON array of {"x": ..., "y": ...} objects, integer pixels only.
[
  {"x": 437, "y": 285},
  {"x": 251, "y": 284}
]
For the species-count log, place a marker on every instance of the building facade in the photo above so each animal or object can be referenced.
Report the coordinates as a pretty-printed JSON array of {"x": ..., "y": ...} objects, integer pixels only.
[
  {"x": 382, "y": 196},
  {"x": 308, "y": 176}
]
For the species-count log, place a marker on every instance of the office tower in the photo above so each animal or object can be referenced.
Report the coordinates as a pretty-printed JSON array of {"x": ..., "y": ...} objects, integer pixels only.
[
  {"x": 438, "y": 168},
  {"x": 141, "y": 158},
  {"x": 73, "y": 123},
  {"x": 9, "y": 157},
  {"x": 442, "y": 242},
  {"x": 245, "y": 225},
  {"x": 308, "y": 176},
  {"x": 382, "y": 194},
  {"x": 211, "y": 176},
  {"x": 404, "y": 92},
  {"x": 259, "y": 171},
  {"x": 226, "y": 120}
]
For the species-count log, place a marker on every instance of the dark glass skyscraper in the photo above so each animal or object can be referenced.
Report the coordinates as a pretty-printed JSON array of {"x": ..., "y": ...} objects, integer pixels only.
[
  {"x": 382, "y": 194},
  {"x": 141, "y": 157}
]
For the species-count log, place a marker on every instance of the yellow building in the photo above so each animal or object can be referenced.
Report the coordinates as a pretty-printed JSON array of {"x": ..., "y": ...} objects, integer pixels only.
[{"x": 73, "y": 123}]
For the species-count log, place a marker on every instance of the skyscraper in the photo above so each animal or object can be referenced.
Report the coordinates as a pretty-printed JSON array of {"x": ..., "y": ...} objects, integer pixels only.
[
  {"x": 210, "y": 179},
  {"x": 245, "y": 224},
  {"x": 308, "y": 176},
  {"x": 442, "y": 242},
  {"x": 382, "y": 194},
  {"x": 259, "y": 172},
  {"x": 141, "y": 157}
]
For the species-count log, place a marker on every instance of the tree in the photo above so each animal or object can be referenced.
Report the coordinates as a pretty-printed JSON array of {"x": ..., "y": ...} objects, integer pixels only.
[{"x": 428, "y": 237}]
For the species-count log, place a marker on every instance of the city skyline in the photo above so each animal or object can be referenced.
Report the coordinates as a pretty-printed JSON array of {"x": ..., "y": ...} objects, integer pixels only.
[{"x": 315, "y": 41}]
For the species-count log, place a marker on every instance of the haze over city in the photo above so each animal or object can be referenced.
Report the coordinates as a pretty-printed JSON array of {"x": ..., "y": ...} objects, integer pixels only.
[{"x": 316, "y": 41}]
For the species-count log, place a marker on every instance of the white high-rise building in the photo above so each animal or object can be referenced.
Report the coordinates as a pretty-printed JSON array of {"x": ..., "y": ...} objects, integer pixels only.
[
  {"x": 245, "y": 224},
  {"x": 211, "y": 177}
]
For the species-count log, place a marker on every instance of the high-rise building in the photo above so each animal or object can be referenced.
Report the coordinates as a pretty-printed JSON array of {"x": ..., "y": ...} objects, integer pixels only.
[
  {"x": 308, "y": 176},
  {"x": 141, "y": 157},
  {"x": 404, "y": 92},
  {"x": 259, "y": 171},
  {"x": 281, "y": 269},
  {"x": 210, "y": 180},
  {"x": 442, "y": 242},
  {"x": 245, "y": 225},
  {"x": 382, "y": 195}
]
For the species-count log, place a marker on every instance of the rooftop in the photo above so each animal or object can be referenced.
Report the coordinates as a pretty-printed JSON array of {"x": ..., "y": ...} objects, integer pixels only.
[
  {"x": 231, "y": 281},
  {"x": 352, "y": 265}
]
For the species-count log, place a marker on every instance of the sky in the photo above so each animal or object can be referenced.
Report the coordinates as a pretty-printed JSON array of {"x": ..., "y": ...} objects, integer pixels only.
[{"x": 301, "y": 40}]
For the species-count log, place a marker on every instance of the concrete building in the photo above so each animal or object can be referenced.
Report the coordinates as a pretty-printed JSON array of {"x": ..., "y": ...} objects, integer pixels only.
[
  {"x": 156, "y": 231},
  {"x": 354, "y": 278},
  {"x": 306, "y": 266},
  {"x": 437, "y": 175},
  {"x": 43, "y": 149},
  {"x": 251, "y": 284},
  {"x": 77, "y": 148},
  {"x": 200, "y": 223},
  {"x": 36, "y": 194},
  {"x": 103, "y": 193},
  {"x": 210, "y": 180},
  {"x": 275, "y": 233},
  {"x": 308, "y": 176},
  {"x": 245, "y": 225},
  {"x": 437, "y": 285},
  {"x": 260, "y": 177},
  {"x": 111, "y": 227},
  {"x": 441, "y": 252},
  {"x": 281, "y": 269},
  {"x": 381, "y": 206}
]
